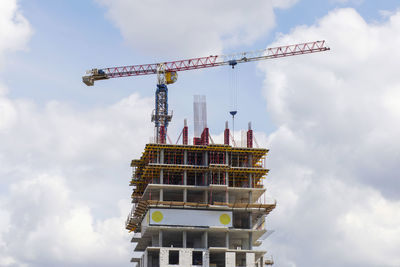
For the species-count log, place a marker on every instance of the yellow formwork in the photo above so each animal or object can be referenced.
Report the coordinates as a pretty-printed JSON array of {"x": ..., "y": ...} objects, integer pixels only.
[{"x": 257, "y": 153}]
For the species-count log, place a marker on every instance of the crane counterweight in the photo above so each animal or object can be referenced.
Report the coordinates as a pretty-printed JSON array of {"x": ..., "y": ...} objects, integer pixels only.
[{"x": 95, "y": 75}]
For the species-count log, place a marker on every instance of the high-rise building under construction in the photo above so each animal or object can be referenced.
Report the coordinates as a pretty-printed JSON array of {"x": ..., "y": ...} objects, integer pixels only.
[{"x": 199, "y": 204}]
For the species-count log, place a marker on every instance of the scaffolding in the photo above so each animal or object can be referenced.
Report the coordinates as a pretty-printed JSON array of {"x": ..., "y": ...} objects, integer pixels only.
[{"x": 202, "y": 166}]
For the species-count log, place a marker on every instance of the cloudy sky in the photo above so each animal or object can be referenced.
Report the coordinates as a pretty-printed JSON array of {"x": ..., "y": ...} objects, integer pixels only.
[{"x": 331, "y": 121}]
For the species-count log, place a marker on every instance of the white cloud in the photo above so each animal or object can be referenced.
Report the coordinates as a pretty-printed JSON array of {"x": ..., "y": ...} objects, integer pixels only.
[
  {"x": 74, "y": 135},
  {"x": 64, "y": 179},
  {"x": 358, "y": 2},
  {"x": 7, "y": 114},
  {"x": 345, "y": 97},
  {"x": 192, "y": 28},
  {"x": 64, "y": 172},
  {"x": 15, "y": 30},
  {"x": 57, "y": 164},
  {"x": 334, "y": 158},
  {"x": 50, "y": 227},
  {"x": 373, "y": 225}
]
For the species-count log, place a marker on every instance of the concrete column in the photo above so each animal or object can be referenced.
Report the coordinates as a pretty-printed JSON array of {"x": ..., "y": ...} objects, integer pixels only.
[
  {"x": 184, "y": 238},
  {"x": 226, "y": 158},
  {"x": 250, "y": 241},
  {"x": 184, "y": 177},
  {"x": 149, "y": 260},
  {"x": 227, "y": 240},
  {"x": 251, "y": 197},
  {"x": 145, "y": 259},
  {"x": 185, "y": 157},
  {"x": 251, "y": 220},
  {"x": 185, "y": 195},
  {"x": 206, "y": 196},
  {"x": 161, "y": 194},
  {"x": 160, "y": 238},
  {"x": 206, "y": 158},
  {"x": 205, "y": 240},
  {"x": 154, "y": 240},
  {"x": 162, "y": 156},
  {"x": 161, "y": 171},
  {"x": 250, "y": 175}
]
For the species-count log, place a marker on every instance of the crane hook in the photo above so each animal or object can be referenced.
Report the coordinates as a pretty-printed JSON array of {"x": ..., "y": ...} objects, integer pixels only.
[{"x": 232, "y": 63}]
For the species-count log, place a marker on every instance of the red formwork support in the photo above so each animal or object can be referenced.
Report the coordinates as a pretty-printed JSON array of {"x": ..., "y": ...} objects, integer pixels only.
[
  {"x": 196, "y": 141},
  {"x": 185, "y": 137},
  {"x": 162, "y": 134},
  {"x": 250, "y": 138},
  {"x": 226, "y": 136},
  {"x": 205, "y": 137}
]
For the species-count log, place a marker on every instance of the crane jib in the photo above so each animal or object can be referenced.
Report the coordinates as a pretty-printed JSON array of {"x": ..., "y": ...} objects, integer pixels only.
[{"x": 210, "y": 61}]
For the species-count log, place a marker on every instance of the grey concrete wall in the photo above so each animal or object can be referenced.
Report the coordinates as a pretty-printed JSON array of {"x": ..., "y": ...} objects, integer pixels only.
[
  {"x": 206, "y": 258},
  {"x": 185, "y": 257},
  {"x": 230, "y": 259},
  {"x": 250, "y": 260},
  {"x": 145, "y": 259}
]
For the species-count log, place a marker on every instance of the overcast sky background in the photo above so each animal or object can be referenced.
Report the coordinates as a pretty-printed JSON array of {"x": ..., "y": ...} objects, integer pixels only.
[{"x": 331, "y": 121}]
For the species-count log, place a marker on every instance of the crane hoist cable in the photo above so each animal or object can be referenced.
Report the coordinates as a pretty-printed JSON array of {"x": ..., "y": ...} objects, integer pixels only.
[{"x": 233, "y": 85}]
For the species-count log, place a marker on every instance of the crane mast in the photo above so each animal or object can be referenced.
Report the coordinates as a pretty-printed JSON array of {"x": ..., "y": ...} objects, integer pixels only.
[{"x": 167, "y": 73}]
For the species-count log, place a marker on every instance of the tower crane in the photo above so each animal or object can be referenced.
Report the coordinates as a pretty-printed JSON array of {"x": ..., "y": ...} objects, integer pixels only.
[{"x": 167, "y": 73}]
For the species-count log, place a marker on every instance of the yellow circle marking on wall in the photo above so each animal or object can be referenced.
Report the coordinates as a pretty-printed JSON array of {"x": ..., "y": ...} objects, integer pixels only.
[
  {"x": 157, "y": 216},
  {"x": 225, "y": 219}
]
